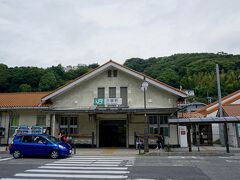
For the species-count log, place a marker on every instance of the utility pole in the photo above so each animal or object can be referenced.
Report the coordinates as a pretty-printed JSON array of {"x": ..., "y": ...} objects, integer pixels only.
[
  {"x": 146, "y": 128},
  {"x": 220, "y": 109}
]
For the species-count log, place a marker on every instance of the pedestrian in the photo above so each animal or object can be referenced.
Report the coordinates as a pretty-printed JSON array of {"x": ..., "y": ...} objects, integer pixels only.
[
  {"x": 60, "y": 136},
  {"x": 159, "y": 142},
  {"x": 138, "y": 142}
]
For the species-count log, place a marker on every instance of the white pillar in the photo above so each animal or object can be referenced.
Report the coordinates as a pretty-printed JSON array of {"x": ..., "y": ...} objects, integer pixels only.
[{"x": 53, "y": 125}]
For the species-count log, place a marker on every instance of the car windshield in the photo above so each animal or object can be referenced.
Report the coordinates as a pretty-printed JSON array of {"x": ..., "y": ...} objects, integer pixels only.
[{"x": 53, "y": 139}]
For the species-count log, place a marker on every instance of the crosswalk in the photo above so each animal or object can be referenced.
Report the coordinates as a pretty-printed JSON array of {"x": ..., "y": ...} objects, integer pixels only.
[{"x": 80, "y": 167}]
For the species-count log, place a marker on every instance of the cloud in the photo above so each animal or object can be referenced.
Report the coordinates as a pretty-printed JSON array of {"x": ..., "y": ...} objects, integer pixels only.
[{"x": 48, "y": 32}]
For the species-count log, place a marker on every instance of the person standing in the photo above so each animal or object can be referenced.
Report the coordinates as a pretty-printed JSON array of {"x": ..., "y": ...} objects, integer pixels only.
[
  {"x": 160, "y": 142},
  {"x": 138, "y": 142}
]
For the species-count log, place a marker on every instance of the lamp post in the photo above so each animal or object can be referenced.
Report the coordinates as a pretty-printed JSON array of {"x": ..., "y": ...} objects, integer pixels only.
[{"x": 146, "y": 129}]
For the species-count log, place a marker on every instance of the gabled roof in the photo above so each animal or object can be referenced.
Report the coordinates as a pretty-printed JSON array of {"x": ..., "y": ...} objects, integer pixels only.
[
  {"x": 23, "y": 99},
  {"x": 232, "y": 110},
  {"x": 106, "y": 66},
  {"x": 227, "y": 100}
]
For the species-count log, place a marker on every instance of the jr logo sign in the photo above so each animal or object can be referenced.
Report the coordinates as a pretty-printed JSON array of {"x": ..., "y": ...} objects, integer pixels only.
[{"x": 98, "y": 101}]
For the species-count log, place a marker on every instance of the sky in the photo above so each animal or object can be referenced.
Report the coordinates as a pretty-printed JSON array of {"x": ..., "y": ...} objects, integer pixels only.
[{"x": 70, "y": 32}]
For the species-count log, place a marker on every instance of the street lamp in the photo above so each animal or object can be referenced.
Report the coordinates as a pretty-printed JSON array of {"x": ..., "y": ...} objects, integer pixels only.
[{"x": 144, "y": 88}]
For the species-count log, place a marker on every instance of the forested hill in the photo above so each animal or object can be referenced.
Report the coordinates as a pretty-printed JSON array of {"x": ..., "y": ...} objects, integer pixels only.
[{"x": 194, "y": 71}]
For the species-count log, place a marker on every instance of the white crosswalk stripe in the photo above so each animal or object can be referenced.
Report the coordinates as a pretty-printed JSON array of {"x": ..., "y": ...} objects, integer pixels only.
[{"x": 80, "y": 167}]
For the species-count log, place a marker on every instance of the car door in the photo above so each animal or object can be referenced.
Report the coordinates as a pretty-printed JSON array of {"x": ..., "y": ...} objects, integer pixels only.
[
  {"x": 26, "y": 146},
  {"x": 40, "y": 145}
]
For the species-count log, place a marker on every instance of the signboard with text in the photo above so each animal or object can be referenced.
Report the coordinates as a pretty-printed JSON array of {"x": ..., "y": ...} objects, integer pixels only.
[
  {"x": 99, "y": 101},
  {"x": 108, "y": 101}
]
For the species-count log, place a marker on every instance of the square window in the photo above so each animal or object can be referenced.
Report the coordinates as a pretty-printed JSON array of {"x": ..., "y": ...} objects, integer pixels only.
[{"x": 115, "y": 73}]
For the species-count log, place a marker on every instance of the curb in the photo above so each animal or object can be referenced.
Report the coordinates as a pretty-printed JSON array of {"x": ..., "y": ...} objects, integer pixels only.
[{"x": 191, "y": 154}]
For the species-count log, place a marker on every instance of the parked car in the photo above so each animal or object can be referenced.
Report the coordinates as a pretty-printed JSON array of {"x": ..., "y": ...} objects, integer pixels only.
[{"x": 38, "y": 145}]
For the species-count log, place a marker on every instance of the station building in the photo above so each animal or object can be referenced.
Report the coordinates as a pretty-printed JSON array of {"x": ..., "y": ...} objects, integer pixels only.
[{"x": 103, "y": 108}]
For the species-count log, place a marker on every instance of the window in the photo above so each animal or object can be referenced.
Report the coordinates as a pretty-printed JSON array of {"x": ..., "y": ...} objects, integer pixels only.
[
  {"x": 112, "y": 92},
  {"x": 39, "y": 139},
  {"x": 73, "y": 125},
  {"x": 158, "y": 124},
  {"x": 101, "y": 92},
  {"x": 14, "y": 123},
  {"x": 153, "y": 124},
  {"x": 163, "y": 119},
  {"x": 109, "y": 72},
  {"x": 41, "y": 120},
  {"x": 123, "y": 95},
  {"x": 115, "y": 73},
  {"x": 27, "y": 139},
  {"x": 69, "y": 125},
  {"x": 64, "y": 125}
]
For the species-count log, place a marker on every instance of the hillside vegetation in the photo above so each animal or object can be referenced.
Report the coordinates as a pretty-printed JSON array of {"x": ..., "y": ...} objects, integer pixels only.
[{"x": 195, "y": 71}]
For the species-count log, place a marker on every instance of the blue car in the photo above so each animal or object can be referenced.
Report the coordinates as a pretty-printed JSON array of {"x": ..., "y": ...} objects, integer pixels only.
[{"x": 38, "y": 145}]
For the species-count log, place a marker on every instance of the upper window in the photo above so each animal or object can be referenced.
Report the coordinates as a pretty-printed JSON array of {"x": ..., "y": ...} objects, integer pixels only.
[
  {"x": 115, "y": 72},
  {"x": 112, "y": 73},
  {"x": 109, "y": 73}
]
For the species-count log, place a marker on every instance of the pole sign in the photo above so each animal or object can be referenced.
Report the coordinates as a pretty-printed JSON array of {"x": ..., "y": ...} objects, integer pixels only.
[{"x": 99, "y": 101}]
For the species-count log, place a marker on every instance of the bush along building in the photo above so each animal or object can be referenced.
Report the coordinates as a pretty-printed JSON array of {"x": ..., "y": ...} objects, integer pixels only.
[{"x": 105, "y": 107}]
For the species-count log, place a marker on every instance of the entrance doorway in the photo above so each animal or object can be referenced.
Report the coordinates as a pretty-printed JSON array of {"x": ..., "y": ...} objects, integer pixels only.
[{"x": 112, "y": 133}]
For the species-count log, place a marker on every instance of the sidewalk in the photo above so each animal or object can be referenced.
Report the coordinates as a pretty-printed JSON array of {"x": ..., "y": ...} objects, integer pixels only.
[{"x": 204, "y": 151}]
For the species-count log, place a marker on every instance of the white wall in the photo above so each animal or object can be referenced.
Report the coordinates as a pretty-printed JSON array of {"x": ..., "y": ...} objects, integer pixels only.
[{"x": 82, "y": 95}]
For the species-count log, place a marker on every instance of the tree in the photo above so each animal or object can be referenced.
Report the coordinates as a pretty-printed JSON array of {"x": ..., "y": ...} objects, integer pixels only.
[
  {"x": 48, "y": 82},
  {"x": 25, "y": 88},
  {"x": 3, "y": 77}
]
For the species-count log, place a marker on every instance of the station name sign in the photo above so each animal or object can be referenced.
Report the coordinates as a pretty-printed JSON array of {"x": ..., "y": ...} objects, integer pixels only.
[{"x": 107, "y": 101}]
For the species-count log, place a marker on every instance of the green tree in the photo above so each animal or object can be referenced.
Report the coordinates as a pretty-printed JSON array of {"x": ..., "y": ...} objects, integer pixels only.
[
  {"x": 25, "y": 88},
  {"x": 48, "y": 82}
]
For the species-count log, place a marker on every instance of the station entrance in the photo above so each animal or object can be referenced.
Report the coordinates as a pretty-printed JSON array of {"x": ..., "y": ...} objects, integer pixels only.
[{"x": 112, "y": 133}]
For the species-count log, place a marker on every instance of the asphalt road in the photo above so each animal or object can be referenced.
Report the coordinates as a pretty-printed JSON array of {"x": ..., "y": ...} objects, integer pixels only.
[{"x": 115, "y": 167}]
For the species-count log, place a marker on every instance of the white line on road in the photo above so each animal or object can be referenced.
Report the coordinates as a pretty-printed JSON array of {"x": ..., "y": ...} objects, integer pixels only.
[
  {"x": 102, "y": 165},
  {"x": 66, "y": 162},
  {"x": 5, "y": 159},
  {"x": 176, "y": 157},
  {"x": 23, "y": 179},
  {"x": 77, "y": 171},
  {"x": 82, "y": 167},
  {"x": 83, "y": 160},
  {"x": 235, "y": 161},
  {"x": 94, "y": 158},
  {"x": 96, "y": 162},
  {"x": 72, "y": 176}
]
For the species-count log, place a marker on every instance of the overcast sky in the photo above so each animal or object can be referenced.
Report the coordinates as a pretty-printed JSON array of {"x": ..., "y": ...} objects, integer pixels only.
[{"x": 49, "y": 32}]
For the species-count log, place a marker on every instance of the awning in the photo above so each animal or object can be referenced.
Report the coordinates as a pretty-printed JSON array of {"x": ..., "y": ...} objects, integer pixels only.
[
  {"x": 116, "y": 110},
  {"x": 235, "y": 119}
]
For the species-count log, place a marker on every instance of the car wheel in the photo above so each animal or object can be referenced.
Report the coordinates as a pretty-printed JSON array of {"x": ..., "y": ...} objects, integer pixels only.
[
  {"x": 16, "y": 154},
  {"x": 54, "y": 154}
]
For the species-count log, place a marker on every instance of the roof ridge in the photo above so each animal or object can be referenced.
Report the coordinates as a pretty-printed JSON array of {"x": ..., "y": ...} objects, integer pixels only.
[
  {"x": 111, "y": 61},
  {"x": 2, "y": 93},
  {"x": 216, "y": 102}
]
